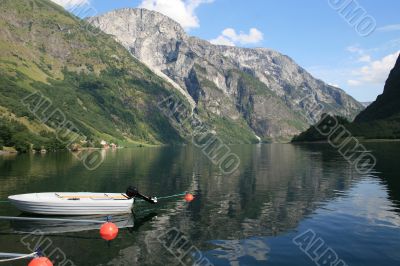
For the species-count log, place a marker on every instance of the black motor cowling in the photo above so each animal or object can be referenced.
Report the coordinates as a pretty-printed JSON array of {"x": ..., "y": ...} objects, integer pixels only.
[{"x": 133, "y": 192}]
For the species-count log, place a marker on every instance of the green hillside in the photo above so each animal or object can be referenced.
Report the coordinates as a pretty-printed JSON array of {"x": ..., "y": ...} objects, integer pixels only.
[{"x": 94, "y": 81}]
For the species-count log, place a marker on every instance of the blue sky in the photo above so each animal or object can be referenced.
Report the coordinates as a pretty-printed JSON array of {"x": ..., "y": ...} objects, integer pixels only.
[{"x": 315, "y": 33}]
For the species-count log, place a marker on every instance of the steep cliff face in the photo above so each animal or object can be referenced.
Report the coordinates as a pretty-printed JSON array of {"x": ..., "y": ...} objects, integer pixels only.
[
  {"x": 263, "y": 89},
  {"x": 380, "y": 120},
  {"x": 388, "y": 103}
]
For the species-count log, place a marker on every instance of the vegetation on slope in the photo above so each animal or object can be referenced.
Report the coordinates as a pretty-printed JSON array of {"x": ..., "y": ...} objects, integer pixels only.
[
  {"x": 380, "y": 120},
  {"x": 377, "y": 129},
  {"x": 100, "y": 88},
  {"x": 313, "y": 134},
  {"x": 94, "y": 81},
  {"x": 255, "y": 94}
]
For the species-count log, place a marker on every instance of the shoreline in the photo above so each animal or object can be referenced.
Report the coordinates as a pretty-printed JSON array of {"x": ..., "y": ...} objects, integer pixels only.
[
  {"x": 379, "y": 140},
  {"x": 7, "y": 153},
  {"x": 359, "y": 139},
  {"x": 2, "y": 152}
]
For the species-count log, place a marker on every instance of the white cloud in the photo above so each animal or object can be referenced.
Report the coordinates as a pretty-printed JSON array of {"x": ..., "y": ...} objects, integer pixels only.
[
  {"x": 388, "y": 46},
  {"x": 182, "y": 11},
  {"x": 362, "y": 54},
  {"x": 222, "y": 40},
  {"x": 393, "y": 27},
  {"x": 334, "y": 85},
  {"x": 364, "y": 58},
  {"x": 71, "y": 3},
  {"x": 352, "y": 82},
  {"x": 355, "y": 49},
  {"x": 230, "y": 37},
  {"x": 375, "y": 72}
]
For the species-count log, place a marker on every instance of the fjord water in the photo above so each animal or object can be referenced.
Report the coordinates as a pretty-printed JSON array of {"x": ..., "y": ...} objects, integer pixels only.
[{"x": 247, "y": 218}]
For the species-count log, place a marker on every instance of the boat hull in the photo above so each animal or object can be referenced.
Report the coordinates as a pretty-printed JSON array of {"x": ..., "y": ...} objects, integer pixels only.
[
  {"x": 79, "y": 204},
  {"x": 70, "y": 225}
]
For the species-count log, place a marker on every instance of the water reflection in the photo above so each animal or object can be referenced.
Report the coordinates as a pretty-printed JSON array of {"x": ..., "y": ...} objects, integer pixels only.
[
  {"x": 246, "y": 218},
  {"x": 67, "y": 224}
]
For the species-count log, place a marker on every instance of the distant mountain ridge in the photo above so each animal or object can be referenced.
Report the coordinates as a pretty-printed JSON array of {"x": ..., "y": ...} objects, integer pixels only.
[
  {"x": 365, "y": 104},
  {"x": 260, "y": 90},
  {"x": 380, "y": 120},
  {"x": 388, "y": 103}
]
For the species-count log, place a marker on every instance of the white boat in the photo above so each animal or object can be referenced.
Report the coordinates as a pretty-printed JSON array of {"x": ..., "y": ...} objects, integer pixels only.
[
  {"x": 73, "y": 203},
  {"x": 78, "y": 203}
]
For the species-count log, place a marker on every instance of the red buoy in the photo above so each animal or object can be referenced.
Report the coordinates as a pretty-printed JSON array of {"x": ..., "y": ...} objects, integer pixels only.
[
  {"x": 189, "y": 197},
  {"x": 108, "y": 231},
  {"x": 40, "y": 261}
]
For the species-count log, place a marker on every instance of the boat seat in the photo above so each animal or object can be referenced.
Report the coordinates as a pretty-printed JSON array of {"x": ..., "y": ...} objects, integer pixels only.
[{"x": 122, "y": 197}]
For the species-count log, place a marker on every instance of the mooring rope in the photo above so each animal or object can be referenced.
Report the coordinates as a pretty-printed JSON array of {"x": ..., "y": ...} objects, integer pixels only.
[
  {"x": 18, "y": 256},
  {"x": 159, "y": 198},
  {"x": 167, "y": 197},
  {"x": 172, "y": 196}
]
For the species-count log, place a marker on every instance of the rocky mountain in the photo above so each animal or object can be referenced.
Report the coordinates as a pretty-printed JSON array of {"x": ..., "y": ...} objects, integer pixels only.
[
  {"x": 259, "y": 91},
  {"x": 85, "y": 75},
  {"x": 388, "y": 103},
  {"x": 380, "y": 120},
  {"x": 365, "y": 104}
]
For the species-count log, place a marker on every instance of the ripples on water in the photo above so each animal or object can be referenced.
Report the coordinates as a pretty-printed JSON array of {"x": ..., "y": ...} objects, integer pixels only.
[{"x": 247, "y": 218}]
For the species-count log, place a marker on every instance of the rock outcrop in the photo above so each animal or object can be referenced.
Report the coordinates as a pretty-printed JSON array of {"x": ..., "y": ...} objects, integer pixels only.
[{"x": 258, "y": 90}]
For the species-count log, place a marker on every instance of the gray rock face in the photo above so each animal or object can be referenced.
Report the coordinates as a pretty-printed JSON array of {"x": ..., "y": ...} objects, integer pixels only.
[{"x": 267, "y": 91}]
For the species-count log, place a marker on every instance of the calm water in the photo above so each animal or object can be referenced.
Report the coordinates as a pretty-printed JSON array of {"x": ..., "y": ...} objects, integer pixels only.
[{"x": 247, "y": 218}]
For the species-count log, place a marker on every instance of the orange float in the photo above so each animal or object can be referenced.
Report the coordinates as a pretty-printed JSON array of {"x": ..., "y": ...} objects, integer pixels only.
[
  {"x": 189, "y": 197},
  {"x": 40, "y": 261},
  {"x": 109, "y": 231}
]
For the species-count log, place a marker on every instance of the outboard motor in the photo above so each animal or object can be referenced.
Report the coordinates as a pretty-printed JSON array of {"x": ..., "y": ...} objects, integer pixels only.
[{"x": 133, "y": 192}]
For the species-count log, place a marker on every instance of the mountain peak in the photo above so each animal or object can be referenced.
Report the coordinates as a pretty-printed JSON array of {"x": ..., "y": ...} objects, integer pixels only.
[
  {"x": 142, "y": 19},
  {"x": 396, "y": 69},
  {"x": 388, "y": 103},
  {"x": 262, "y": 90},
  {"x": 393, "y": 82},
  {"x": 140, "y": 12}
]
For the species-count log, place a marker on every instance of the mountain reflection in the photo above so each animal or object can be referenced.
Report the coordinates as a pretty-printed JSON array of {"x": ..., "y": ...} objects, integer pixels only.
[{"x": 275, "y": 189}]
